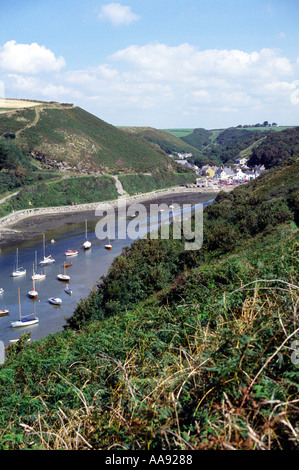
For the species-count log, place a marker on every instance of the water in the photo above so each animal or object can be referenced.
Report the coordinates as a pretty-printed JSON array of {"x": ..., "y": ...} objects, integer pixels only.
[{"x": 86, "y": 270}]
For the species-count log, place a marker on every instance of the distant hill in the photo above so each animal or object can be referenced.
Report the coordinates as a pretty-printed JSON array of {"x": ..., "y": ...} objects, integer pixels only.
[
  {"x": 161, "y": 140},
  {"x": 224, "y": 146},
  {"x": 199, "y": 138},
  {"x": 276, "y": 148}
]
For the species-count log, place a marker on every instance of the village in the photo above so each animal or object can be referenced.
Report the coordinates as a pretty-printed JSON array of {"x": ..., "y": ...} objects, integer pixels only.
[{"x": 216, "y": 177}]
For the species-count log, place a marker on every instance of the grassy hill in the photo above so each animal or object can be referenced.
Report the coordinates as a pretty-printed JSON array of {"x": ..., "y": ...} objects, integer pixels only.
[
  {"x": 160, "y": 140},
  {"x": 61, "y": 139},
  {"x": 175, "y": 350},
  {"x": 276, "y": 148},
  {"x": 70, "y": 134}
]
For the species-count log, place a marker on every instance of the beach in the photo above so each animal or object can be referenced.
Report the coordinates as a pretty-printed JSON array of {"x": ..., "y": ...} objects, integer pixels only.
[{"x": 25, "y": 225}]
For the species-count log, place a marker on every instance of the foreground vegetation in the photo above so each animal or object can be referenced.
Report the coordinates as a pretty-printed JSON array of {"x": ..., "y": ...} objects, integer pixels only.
[{"x": 175, "y": 349}]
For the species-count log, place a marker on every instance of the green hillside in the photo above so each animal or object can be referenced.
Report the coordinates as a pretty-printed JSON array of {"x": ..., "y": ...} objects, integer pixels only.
[
  {"x": 276, "y": 148},
  {"x": 53, "y": 140},
  {"x": 160, "y": 140},
  {"x": 80, "y": 139},
  {"x": 174, "y": 349}
]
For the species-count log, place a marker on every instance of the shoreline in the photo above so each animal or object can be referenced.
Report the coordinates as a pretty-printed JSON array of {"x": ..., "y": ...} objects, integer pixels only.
[{"x": 29, "y": 223}]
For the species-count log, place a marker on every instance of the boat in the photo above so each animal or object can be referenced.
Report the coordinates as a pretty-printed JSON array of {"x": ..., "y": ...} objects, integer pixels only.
[
  {"x": 68, "y": 290},
  {"x": 108, "y": 246},
  {"x": 86, "y": 244},
  {"x": 46, "y": 259},
  {"x": 1, "y": 290},
  {"x": 63, "y": 277},
  {"x": 55, "y": 300},
  {"x": 24, "y": 321},
  {"x": 37, "y": 276},
  {"x": 68, "y": 265},
  {"x": 4, "y": 312},
  {"x": 18, "y": 271},
  {"x": 71, "y": 253},
  {"x": 33, "y": 293}
]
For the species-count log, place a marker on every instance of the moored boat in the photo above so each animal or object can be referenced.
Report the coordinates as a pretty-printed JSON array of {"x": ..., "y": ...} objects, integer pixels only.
[
  {"x": 68, "y": 290},
  {"x": 24, "y": 321},
  {"x": 36, "y": 275},
  {"x": 4, "y": 312},
  {"x": 46, "y": 259},
  {"x": 71, "y": 253},
  {"x": 63, "y": 277},
  {"x": 18, "y": 271},
  {"x": 55, "y": 300},
  {"x": 33, "y": 293},
  {"x": 86, "y": 244}
]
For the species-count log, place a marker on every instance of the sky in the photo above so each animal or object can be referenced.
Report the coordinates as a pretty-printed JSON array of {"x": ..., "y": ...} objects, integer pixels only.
[{"x": 158, "y": 63}]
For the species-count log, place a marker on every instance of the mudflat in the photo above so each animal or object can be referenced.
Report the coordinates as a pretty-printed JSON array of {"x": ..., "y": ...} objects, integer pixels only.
[{"x": 33, "y": 226}]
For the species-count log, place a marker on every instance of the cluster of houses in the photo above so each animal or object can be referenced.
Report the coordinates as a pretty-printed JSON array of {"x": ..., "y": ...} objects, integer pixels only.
[{"x": 236, "y": 173}]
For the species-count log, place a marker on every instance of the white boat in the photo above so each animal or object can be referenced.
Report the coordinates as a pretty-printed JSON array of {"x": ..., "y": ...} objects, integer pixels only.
[
  {"x": 55, "y": 300},
  {"x": 46, "y": 259},
  {"x": 4, "y": 312},
  {"x": 18, "y": 271},
  {"x": 37, "y": 276},
  {"x": 108, "y": 246},
  {"x": 71, "y": 253},
  {"x": 24, "y": 321},
  {"x": 33, "y": 293},
  {"x": 63, "y": 277},
  {"x": 1, "y": 290},
  {"x": 68, "y": 290},
  {"x": 86, "y": 244}
]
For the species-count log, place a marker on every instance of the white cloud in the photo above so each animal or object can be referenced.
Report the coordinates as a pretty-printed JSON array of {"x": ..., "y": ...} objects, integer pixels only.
[
  {"x": 143, "y": 85},
  {"x": 28, "y": 58},
  {"x": 162, "y": 61},
  {"x": 117, "y": 14}
]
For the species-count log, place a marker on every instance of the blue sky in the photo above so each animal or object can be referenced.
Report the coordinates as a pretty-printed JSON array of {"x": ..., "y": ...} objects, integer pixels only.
[{"x": 166, "y": 63}]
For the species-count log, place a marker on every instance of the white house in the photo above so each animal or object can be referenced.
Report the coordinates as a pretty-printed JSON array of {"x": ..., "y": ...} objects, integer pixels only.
[
  {"x": 241, "y": 161},
  {"x": 238, "y": 174}
]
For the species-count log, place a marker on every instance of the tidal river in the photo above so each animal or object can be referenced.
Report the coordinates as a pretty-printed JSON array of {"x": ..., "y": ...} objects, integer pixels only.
[{"x": 86, "y": 270}]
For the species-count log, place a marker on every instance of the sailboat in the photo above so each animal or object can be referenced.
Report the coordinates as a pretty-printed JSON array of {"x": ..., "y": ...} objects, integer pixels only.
[
  {"x": 18, "y": 271},
  {"x": 108, "y": 246},
  {"x": 24, "y": 321},
  {"x": 33, "y": 293},
  {"x": 47, "y": 259},
  {"x": 86, "y": 244},
  {"x": 63, "y": 277},
  {"x": 37, "y": 276}
]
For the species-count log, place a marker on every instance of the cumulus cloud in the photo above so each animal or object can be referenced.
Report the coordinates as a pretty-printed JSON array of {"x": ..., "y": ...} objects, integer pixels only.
[
  {"x": 28, "y": 58},
  {"x": 117, "y": 14},
  {"x": 145, "y": 84},
  {"x": 186, "y": 60}
]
